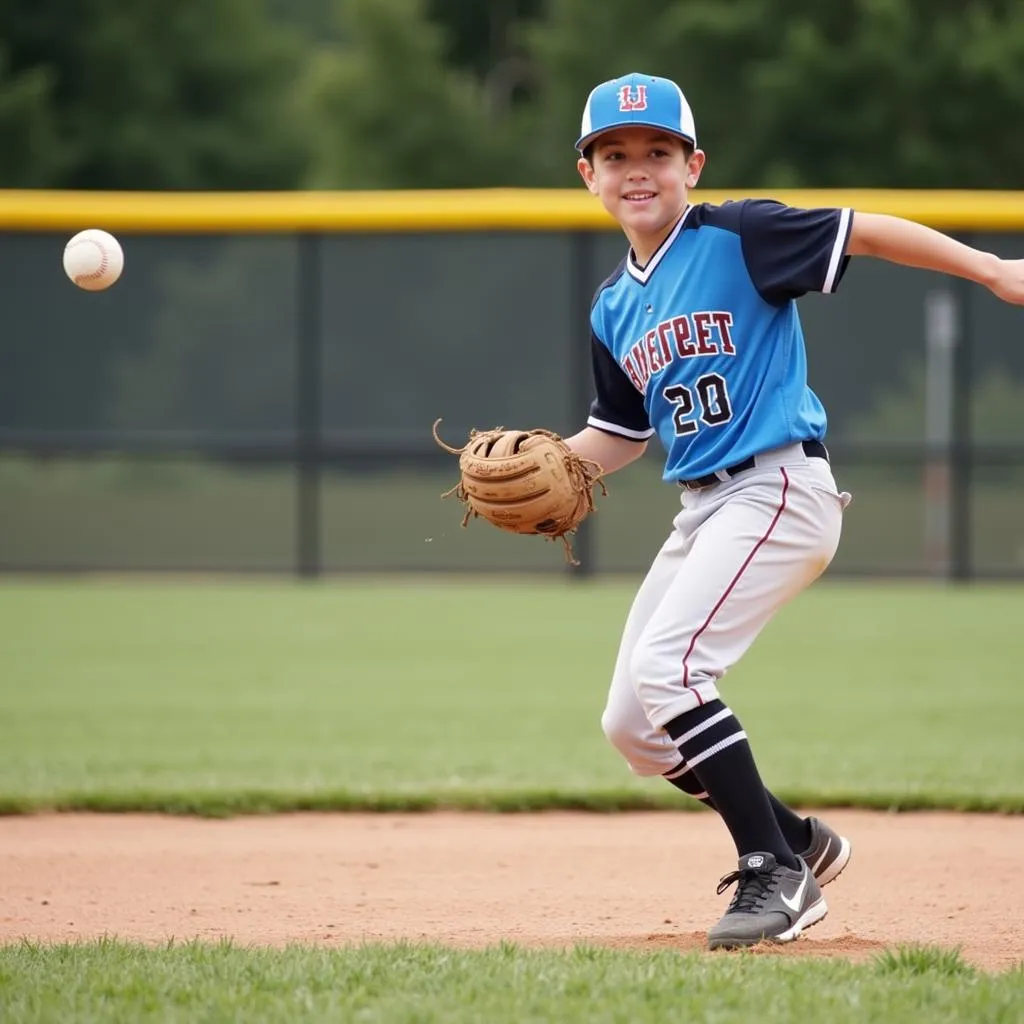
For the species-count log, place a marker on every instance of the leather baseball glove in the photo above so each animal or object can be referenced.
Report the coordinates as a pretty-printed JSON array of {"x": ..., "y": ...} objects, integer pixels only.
[{"x": 525, "y": 481}]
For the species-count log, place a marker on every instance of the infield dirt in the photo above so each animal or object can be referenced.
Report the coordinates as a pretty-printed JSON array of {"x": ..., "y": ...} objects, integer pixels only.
[{"x": 644, "y": 881}]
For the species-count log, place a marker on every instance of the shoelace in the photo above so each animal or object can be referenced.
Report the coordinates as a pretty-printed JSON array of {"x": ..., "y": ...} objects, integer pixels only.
[{"x": 752, "y": 889}]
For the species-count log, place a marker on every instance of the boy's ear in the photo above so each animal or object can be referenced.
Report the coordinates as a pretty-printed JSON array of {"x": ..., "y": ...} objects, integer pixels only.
[
  {"x": 586, "y": 170},
  {"x": 694, "y": 166}
]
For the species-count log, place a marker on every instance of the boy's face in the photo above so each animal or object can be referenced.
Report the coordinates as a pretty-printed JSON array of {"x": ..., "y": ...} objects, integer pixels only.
[{"x": 641, "y": 175}]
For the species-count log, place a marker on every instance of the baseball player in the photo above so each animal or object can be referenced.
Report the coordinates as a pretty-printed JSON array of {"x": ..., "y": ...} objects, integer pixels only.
[{"x": 696, "y": 339}]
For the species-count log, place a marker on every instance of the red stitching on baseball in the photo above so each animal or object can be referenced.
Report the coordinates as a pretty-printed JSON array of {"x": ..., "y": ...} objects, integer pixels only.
[{"x": 101, "y": 270}]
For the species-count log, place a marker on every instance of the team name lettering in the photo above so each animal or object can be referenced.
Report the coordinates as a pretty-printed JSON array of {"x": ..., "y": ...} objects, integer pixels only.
[{"x": 707, "y": 333}]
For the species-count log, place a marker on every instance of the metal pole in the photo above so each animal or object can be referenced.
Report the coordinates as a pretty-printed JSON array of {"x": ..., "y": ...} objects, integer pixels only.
[
  {"x": 941, "y": 329},
  {"x": 308, "y": 406},
  {"x": 581, "y": 291},
  {"x": 961, "y": 446}
]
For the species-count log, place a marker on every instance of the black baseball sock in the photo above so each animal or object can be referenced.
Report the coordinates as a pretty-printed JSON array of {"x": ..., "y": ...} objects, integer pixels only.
[
  {"x": 797, "y": 830},
  {"x": 685, "y": 779},
  {"x": 715, "y": 747}
]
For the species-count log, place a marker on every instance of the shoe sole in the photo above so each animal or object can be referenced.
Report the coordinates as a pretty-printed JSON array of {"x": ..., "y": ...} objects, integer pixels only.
[
  {"x": 811, "y": 916},
  {"x": 835, "y": 869}
]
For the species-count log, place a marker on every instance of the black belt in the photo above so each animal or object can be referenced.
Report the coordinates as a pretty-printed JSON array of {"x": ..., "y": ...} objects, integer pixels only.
[{"x": 812, "y": 449}]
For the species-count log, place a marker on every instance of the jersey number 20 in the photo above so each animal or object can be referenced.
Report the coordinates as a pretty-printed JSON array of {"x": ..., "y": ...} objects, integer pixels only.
[{"x": 713, "y": 397}]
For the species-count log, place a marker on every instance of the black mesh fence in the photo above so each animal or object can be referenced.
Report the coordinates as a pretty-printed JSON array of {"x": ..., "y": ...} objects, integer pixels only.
[{"x": 265, "y": 403}]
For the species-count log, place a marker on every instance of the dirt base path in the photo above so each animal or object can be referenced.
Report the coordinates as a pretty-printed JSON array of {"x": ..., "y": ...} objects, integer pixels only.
[{"x": 638, "y": 880}]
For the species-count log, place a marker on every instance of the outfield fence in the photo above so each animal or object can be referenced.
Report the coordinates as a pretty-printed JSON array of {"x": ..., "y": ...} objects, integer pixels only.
[{"x": 256, "y": 393}]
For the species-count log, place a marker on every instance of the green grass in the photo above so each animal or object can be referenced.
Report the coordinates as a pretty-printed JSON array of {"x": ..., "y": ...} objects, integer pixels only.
[
  {"x": 219, "y": 697},
  {"x": 109, "y": 981}
]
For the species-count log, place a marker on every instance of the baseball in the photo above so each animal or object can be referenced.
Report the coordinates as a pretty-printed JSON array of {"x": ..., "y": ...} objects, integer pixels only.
[{"x": 93, "y": 259}]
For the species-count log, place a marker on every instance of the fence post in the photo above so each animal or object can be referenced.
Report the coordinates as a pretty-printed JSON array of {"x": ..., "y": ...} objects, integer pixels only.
[
  {"x": 941, "y": 330},
  {"x": 962, "y": 441},
  {"x": 581, "y": 291},
  {"x": 308, "y": 405}
]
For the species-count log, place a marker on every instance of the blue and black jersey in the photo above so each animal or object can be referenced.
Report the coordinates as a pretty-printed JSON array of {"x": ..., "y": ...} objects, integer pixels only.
[{"x": 703, "y": 345}]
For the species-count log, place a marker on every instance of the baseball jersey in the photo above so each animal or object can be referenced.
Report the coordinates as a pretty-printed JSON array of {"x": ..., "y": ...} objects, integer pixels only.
[{"x": 703, "y": 345}]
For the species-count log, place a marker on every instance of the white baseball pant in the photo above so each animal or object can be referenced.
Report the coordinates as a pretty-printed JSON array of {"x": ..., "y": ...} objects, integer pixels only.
[{"x": 738, "y": 551}]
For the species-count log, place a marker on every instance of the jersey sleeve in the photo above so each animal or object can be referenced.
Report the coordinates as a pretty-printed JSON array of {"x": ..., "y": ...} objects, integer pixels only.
[
  {"x": 789, "y": 251},
  {"x": 618, "y": 407}
]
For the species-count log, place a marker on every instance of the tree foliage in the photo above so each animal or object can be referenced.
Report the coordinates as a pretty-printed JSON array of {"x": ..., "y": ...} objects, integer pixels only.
[
  {"x": 905, "y": 93},
  {"x": 894, "y": 93},
  {"x": 434, "y": 93},
  {"x": 140, "y": 94},
  {"x": 393, "y": 114}
]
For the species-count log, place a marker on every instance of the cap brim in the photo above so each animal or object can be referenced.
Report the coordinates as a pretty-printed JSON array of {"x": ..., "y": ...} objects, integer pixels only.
[{"x": 586, "y": 140}]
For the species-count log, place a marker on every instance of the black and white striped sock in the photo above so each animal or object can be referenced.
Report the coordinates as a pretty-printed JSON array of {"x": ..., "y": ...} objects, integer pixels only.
[
  {"x": 684, "y": 779},
  {"x": 715, "y": 748},
  {"x": 797, "y": 830}
]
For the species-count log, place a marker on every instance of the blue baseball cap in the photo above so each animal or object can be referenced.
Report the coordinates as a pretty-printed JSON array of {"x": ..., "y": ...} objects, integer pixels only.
[{"x": 636, "y": 100}]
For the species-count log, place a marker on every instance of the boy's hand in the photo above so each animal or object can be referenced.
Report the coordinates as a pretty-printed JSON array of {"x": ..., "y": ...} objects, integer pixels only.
[{"x": 1008, "y": 282}]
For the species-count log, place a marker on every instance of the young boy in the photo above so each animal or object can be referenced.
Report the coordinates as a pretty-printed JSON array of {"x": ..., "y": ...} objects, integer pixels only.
[{"x": 696, "y": 338}]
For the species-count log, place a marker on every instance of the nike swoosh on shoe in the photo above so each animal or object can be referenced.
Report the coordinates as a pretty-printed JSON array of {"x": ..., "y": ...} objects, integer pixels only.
[{"x": 794, "y": 903}]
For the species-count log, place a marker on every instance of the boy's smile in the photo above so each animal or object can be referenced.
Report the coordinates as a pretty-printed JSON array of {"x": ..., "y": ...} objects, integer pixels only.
[{"x": 638, "y": 196}]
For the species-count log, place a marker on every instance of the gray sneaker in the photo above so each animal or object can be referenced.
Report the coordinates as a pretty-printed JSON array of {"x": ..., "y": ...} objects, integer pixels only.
[
  {"x": 772, "y": 903},
  {"x": 828, "y": 853}
]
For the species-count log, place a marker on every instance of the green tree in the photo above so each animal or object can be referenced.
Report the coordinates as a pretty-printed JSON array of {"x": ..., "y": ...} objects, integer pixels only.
[
  {"x": 891, "y": 93},
  {"x": 313, "y": 19},
  {"x": 581, "y": 43},
  {"x": 484, "y": 37},
  {"x": 140, "y": 94},
  {"x": 30, "y": 139},
  {"x": 898, "y": 93},
  {"x": 394, "y": 115},
  {"x": 436, "y": 93}
]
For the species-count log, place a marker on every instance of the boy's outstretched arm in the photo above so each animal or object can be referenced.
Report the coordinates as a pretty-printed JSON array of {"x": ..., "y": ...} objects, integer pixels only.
[
  {"x": 607, "y": 450},
  {"x": 914, "y": 245}
]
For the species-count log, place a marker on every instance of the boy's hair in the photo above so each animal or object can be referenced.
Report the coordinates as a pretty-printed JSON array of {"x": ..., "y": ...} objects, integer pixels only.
[{"x": 588, "y": 151}]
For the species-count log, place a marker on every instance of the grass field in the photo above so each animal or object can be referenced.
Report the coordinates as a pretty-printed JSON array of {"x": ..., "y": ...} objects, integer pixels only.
[
  {"x": 420, "y": 984},
  {"x": 385, "y": 694},
  {"x": 214, "y": 697}
]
